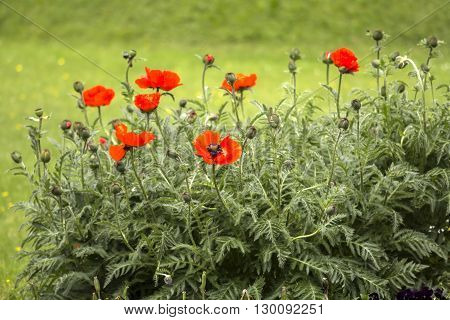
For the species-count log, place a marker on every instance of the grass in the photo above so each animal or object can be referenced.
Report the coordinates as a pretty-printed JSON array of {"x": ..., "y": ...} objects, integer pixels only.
[{"x": 39, "y": 72}]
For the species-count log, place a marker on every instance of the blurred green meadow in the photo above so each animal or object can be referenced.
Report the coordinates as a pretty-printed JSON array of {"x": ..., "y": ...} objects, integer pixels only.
[{"x": 244, "y": 36}]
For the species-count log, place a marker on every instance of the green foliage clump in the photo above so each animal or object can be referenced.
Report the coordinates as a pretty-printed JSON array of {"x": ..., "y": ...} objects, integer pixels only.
[{"x": 314, "y": 209}]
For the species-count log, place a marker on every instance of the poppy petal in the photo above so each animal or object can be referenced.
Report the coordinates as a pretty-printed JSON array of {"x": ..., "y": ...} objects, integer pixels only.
[{"x": 117, "y": 152}]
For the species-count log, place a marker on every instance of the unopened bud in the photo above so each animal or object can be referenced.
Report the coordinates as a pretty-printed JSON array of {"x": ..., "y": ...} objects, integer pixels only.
[
  {"x": 78, "y": 86},
  {"x": 295, "y": 54},
  {"x": 330, "y": 210},
  {"x": 93, "y": 163},
  {"x": 120, "y": 166},
  {"x": 401, "y": 88},
  {"x": 383, "y": 92},
  {"x": 326, "y": 58},
  {"x": 65, "y": 125},
  {"x": 93, "y": 147},
  {"x": 191, "y": 116},
  {"x": 45, "y": 156},
  {"x": 208, "y": 59},
  {"x": 356, "y": 104},
  {"x": 231, "y": 78},
  {"x": 172, "y": 154},
  {"x": 213, "y": 117},
  {"x": 39, "y": 112},
  {"x": 274, "y": 120},
  {"x": 129, "y": 54},
  {"x": 376, "y": 63},
  {"x": 394, "y": 56},
  {"x": 85, "y": 134},
  {"x": 77, "y": 126},
  {"x": 16, "y": 157},
  {"x": 251, "y": 132},
  {"x": 432, "y": 42},
  {"x": 115, "y": 188},
  {"x": 186, "y": 197},
  {"x": 425, "y": 68},
  {"x": 343, "y": 124},
  {"x": 292, "y": 67},
  {"x": 81, "y": 104},
  {"x": 57, "y": 191},
  {"x": 130, "y": 108},
  {"x": 168, "y": 279},
  {"x": 182, "y": 103},
  {"x": 377, "y": 35}
]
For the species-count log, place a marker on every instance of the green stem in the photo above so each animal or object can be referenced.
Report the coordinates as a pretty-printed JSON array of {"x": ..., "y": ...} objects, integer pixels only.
[
  {"x": 328, "y": 84},
  {"x": 235, "y": 107},
  {"x": 338, "y": 96},
  {"x": 333, "y": 162},
  {"x": 147, "y": 124},
  {"x": 189, "y": 218},
  {"x": 242, "y": 159},
  {"x": 118, "y": 225},
  {"x": 141, "y": 186},
  {"x": 241, "y": 101},
  {"x": 358, "y": 133},
  {"x": 378, "y": 70},
  {"x": 214, "y": 179},
  {"x": 82, "y": 164},
  {"x": 158, "y": 123},
  {"x": 101, "y": 120},
  {"x": 306, "y": 235},
  {"x": 205, "y": 99}
]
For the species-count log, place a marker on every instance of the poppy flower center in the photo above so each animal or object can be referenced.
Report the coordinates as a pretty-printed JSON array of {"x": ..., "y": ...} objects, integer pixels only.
[{"x": 214, "y": 150}]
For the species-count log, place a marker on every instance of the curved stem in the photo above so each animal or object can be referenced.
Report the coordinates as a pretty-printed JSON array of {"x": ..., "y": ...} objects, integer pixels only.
[
  {"x": 338, "y": 96},
  {"x": 306, "y": 235}
]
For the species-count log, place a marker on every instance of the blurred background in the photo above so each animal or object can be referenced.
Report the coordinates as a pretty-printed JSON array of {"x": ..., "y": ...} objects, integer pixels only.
[{"x": 244, "y": 36}]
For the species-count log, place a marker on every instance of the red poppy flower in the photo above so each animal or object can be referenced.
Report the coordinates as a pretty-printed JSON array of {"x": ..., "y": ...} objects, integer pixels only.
[
  {"x": 129, "y": 140},
  {"x": 147, "y": 102},
  {"x": 157, "y": 79},
  {"x": 243, "y": 82},
  {"x": 98, "y": 96},
  {"x": 102, "y": 140},
  {"x": 215, "y": 151},
  {"x": 345, "y": 58}
]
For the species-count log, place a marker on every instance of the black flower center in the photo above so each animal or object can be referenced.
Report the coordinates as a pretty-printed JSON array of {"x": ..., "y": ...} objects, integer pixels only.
[{"x": 214, "y": 150}]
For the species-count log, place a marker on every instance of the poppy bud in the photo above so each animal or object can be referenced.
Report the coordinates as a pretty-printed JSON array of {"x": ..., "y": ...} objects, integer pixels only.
[
  {"x": 172, "y": 154},
  {"x": 251, "y": 132},
  {"x": 425, "y": 68},
  {"x": 292, "y": 67},
  {"x": 168, "y": 279},
  {"x": 16, "y": 157},
  {"x": 78, "y": 86},
  {"x": 231, "y": 78},
  {"x": 130, "y": 108},
  {"x": 182, "y": 103},
  {"x": 93, "y": 147},
  {"x": 85, "y": 134},
  {"x": 377, "y": 35},
  {"x": 401, "y": 88},
  {"x": 213, "y": 117},
  {"x": 120, "y": 166},
  {"x": 57, "y": 191},
  {"x": 383, "y": 92},
  {"x": 326, "y": 58},
  {"x": 330, "y": 210},
  {"x": 103, "y": 142},
  {"x": 80, "y": 104},
  {"x": 295, "y": 54},
  {"x": 191, "y": 116},
  {"x": 129, "y": 55},
  {"x": 343, "y": 124},
  {"x": 65, "y": 125},
  {"x": 45, "y": 156},
  {"x": 97, "y": 285},
  {"x": 289, "y": 164},
  {"x": 77, "y": 126},
  {"x": 208, "y": 59},
  {"x": 432, "y": 42},
  {"x": 401, "y": 64},
  {"x": 186, "y": 197},
  {"x": 115, "y": 188},
  {"x": 274, "y": 120},
  {"x": 394, "y": 56},
  {"x": 376, "y": 63},
  {"x": 93, "y": 163},
  {"x": 356, "y": 104},
  {"x": 39, "y": 112}
]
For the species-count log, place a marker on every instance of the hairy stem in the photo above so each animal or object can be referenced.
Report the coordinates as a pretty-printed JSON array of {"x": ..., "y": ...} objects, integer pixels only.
[
  {"x": 141, "y": 186},
  {"x": 333, "y": 162},
  {"x": 205, "y": 99},
  {"x": 338, "y": 96},
  {"x": 216, "y": 187},
  {"x": 125, "y": 240}
]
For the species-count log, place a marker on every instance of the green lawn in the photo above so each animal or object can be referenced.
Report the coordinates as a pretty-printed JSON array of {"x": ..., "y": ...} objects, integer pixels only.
[{"x": 39, "y": 72}]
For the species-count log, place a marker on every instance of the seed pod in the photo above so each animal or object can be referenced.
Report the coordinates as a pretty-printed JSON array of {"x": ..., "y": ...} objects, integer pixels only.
[
  {"x": 65, "y": 125},
  {"x": 231, "y": 78},
  {"x": 168, "y": 279},
  {"x": 78, "y": 86},
  {"x": 394, "y": 56},
  {"x": 186, "y": 197},
  {"x": 356, "y": 104},
  {"x": 274, "y": 120},
  {"x": 85, "y": 134},
  {"x": 376, "y": 63},
  {"x": 292, "y": 67},
  {"x": 343, "y": 124},
  {"x": 377, "y": 35},
  {"x": 182, "y": 103},
  {"x": 120, "y": 166},
  {"x": 208, "y": 59},
  {"x": 39, "y": 112},
  {"x": 16, "y": 157},
  {"x": 295, "y": 54},
  {"x": 172, "y": 154},
  {"x": 432, "y": 42},
  {"x": 57, "y": 191},
  {"x": 401, "y": 88},
  {"x": 251, "y": 132},
  {"x": 115, "y": 188},
  {"x": 45, "y": 156}
]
